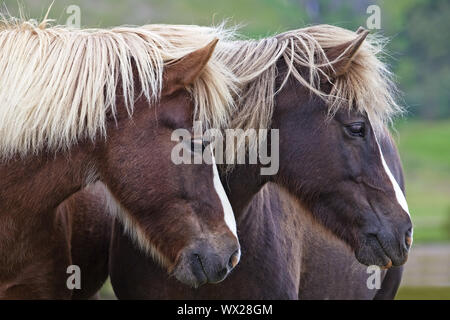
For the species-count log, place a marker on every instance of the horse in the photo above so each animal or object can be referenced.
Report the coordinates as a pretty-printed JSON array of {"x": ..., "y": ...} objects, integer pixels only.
[
  {"x": 318, "y": 253},
  {"x": 329, "y": 96},
  {"x": 87, "y": 236},
  {"x": 81, "y": 106},
  {"x": 307, "y": 262}
]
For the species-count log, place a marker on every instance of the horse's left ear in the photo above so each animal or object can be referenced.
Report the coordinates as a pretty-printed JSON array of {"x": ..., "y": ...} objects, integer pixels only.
[
  {"x": 341, "y": 56},
  {"x": 185, "y": 71}
]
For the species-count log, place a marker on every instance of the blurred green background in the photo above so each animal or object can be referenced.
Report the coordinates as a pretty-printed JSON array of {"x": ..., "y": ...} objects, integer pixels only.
[{"x": 419, "y": 32}]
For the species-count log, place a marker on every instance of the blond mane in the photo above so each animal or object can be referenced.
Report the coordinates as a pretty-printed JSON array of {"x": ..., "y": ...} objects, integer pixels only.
[
  {"x": 57, "y": 84},
  {"x": 368, "y": 85}
]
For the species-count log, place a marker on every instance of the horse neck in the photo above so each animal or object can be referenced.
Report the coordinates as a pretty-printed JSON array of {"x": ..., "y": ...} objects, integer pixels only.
[{"x": 38, "y": 184}]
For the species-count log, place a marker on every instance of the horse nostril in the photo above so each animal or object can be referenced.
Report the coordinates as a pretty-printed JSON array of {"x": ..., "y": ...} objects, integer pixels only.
[
  {"x": 408, "y": 238},
  {"x": 234, "y": 259}
]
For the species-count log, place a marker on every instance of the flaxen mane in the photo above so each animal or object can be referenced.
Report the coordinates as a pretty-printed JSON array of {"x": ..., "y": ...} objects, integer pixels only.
[
  {"x": 368, "y": 85},
  {"x": 57, "y": 84}
]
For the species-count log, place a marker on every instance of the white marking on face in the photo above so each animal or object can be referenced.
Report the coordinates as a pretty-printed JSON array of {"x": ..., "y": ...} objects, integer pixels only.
[
  {"x": 398, "y": 191},
  {"x": 228, "y": 211}
]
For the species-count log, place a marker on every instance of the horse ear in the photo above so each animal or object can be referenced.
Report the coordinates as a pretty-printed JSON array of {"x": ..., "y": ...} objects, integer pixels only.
[
  {"x": 183, "y": 72},
  {"x": 341, "y": 56},
  {"x": 360, "y": 30}
]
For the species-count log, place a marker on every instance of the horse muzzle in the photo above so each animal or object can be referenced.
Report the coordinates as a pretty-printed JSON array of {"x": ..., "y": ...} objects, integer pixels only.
[{"x": 205, "y": 263}]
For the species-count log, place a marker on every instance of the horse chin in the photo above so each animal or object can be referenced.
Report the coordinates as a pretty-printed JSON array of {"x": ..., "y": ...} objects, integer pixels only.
[
  {"x": 375, "y": 251},
  {"x": 190, "y": 272}
]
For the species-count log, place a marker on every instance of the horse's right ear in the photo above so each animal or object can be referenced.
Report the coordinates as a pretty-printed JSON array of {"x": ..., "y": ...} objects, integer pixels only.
[
  {"x": 183, "y": 72},
  {"x": 341, "y": 56}
]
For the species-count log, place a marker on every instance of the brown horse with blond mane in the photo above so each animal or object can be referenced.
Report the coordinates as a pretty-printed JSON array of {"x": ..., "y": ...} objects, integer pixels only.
[{"x": 80, "y": 106}]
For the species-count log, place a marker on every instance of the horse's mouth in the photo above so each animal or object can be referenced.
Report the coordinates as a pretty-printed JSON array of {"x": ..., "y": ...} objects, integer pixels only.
[
  {"x": 388, "y": 265},
  {"x": 190, "y": 271},
  {"x": 395, "y": 258},
  {"x": 208, "y": 280},
  {"x": 377, "y": 251},
  {"x": 202, "y": 269}
]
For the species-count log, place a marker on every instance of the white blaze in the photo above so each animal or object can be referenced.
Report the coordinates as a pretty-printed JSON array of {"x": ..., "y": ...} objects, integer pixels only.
[
  {"x": 228, "y": 211},
  {"x": 398, "y": 191}
]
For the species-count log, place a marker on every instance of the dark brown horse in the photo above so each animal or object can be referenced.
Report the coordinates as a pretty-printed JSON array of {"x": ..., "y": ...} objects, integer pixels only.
[
  {"x": 100, "y": 105},
  {"x": 331, "y": 162},
  {"x": 306, "y": 261},
  {"x": 85, "y": 229}
]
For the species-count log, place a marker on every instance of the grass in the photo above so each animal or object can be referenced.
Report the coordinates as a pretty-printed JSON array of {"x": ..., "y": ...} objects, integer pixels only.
[
  {"x": 423, "y": 293},
  {"x": 257, "y": 17},
  {"x": 425, "y": 152},
  {"x": 107, "y": 292}
]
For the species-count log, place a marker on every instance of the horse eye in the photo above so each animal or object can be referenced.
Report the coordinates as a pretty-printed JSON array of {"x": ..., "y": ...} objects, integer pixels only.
[{"x": 356, "y": 129}]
